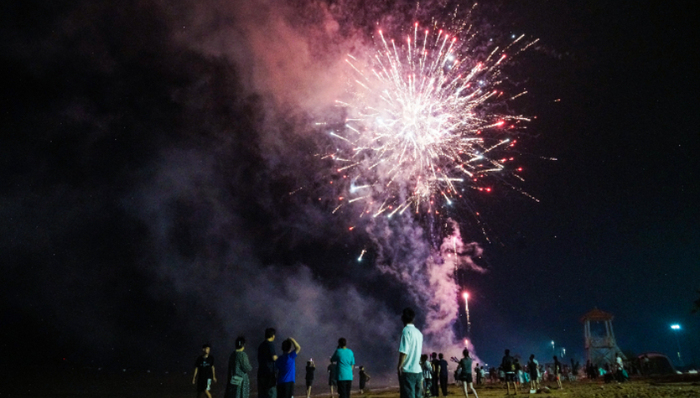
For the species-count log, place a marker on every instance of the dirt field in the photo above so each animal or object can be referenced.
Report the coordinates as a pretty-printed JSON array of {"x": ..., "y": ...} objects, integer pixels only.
[
  {"x": 651, "y": 388},
  {"x": 126, "y": 385}
]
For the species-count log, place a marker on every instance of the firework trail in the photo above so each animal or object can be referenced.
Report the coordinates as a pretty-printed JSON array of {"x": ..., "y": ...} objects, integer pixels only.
[
  {"x": 420, "y": 125},
  {"x": 466, "y": 310}
]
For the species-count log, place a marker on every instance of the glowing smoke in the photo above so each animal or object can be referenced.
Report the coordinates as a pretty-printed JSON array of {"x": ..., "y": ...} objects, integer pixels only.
[{"x": 404, "y": 252}]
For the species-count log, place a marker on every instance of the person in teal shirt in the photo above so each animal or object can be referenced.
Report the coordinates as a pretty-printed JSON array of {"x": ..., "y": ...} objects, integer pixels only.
[{"x": 344, "y": 359}]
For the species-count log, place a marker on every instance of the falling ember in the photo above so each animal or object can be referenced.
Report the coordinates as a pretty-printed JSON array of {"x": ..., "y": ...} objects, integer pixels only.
[
  {"x": 361, "y": 254},
  {"x": 421, "y": 122}
]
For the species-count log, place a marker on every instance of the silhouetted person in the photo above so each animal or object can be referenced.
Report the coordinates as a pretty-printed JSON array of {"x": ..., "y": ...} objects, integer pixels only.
[
  {"x": 310, "y": 369},
  {"x": 204, "y": 372},
  {"x": 332, "y": 376},
  {"x": 508, "y": 367},
  {"x": 556, "y": 370},
  {"x": 435, "y": 386},
  {"x": 532, "y": 366},
  {"x": 267, "y": 381},
  {"x": 364, "y": 378},
  {"x": 443, "y": 374}
]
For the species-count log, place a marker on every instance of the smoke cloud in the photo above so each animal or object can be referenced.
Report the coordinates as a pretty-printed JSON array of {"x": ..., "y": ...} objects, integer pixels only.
[{"x": 185, "y": 203}]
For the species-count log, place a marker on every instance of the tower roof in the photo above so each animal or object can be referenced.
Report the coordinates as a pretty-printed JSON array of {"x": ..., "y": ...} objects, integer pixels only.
[{"x": 597, "y": 315}]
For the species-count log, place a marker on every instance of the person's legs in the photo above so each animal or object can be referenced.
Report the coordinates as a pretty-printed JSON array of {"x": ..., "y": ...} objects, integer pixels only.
[
  {"x": 308, "y": 390},
  {"x": 417, "y": 385},
  {"x": 403, "y": 385},
  {"x": 344, "y": 388},
  {"x": 464, "y": 389},
  {"x": 471, "y": 385},
  {"x": 443, "y": 385},
  {"x": 262, "y": 387},
  {"x": 285, "y": 390},
  {"x": 203, "y": 387},
  {"x": 330, "y": 384}
]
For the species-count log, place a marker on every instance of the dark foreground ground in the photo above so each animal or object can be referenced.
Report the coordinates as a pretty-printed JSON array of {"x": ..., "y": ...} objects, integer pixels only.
[{"x": 123, "y": 385}]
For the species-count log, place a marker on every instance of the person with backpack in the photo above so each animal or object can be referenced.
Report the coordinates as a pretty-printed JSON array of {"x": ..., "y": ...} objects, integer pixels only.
[
  {"x": 464, "y": 370},
  {"x": 508, "y": 366}
]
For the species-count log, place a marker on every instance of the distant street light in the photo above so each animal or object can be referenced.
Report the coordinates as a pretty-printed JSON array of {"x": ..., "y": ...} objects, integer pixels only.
[
  {"x": 676, "y": 328},
  {"x": 553, "y": 351}
]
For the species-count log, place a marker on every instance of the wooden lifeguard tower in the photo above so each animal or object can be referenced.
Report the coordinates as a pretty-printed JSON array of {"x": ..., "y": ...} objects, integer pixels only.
[{"x": 601, "y": 347}]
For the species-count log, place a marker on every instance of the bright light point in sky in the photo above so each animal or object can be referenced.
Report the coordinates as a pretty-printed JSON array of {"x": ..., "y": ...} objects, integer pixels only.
[{"x": 675, "y": 326}]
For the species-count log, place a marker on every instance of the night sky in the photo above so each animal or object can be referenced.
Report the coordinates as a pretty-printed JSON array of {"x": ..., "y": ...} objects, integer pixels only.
[{"x": 148, "y": 151}]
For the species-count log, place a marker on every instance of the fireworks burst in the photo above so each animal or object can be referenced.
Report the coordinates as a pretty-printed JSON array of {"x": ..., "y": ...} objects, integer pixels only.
[{"x": 420, "y": 126}]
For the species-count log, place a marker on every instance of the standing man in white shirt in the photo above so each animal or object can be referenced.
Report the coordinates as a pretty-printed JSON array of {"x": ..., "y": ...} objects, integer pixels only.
[{"x": 410, "y": 348}]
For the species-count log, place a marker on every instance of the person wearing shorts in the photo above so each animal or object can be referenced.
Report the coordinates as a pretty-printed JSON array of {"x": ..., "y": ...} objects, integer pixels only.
[
  {"x": 204, "y": 372},
  {"x": 332, "y": 377},
  {"x": 310, "y": 369},
  {"x": 557, "y": 371},
  {"x": 464, "y": 371},
  {"x": 532, "y": 366},
  {"x": 508, "y": 367},
  {"x": 364, "y": 378}
]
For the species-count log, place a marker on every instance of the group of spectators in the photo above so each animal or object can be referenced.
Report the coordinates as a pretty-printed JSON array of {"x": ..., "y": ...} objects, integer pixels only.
[
  {"x": 276, "y": 374},
  {"x": 419, "y": 375},
  {"x": 609, "y": 373}
]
